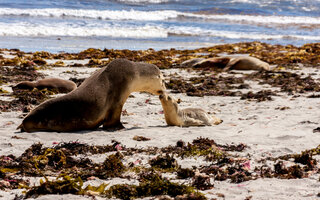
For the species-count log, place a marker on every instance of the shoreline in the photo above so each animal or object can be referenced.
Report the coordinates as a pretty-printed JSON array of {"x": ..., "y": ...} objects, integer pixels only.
[{"x": 74, "y": 44}]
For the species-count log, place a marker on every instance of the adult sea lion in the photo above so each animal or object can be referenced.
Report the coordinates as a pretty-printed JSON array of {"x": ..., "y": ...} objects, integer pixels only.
[
  {"x": 191, "y": 62},
  {"x": 216, "y": 63},
  {"x": 98, "y": 100},
  {"x": 246, "y": 63},
  {"x": 61, "y": 85},
  {"x": 229, "y": 62},
  {"x": 185, "y": 117}
]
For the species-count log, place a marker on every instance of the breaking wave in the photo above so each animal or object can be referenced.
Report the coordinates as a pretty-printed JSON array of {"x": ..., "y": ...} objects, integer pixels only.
[
  {"x": 125, "y": 31},
  {"x": 156, "y": 16}
]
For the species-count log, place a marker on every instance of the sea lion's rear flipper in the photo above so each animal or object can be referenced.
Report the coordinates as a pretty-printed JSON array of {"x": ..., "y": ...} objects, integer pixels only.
[
  {"x": 21, "y": 127},
  {"x": 230, "y": 64},
  {"x": 216, "y": 120},
  {"x": 193, "y": 122}
]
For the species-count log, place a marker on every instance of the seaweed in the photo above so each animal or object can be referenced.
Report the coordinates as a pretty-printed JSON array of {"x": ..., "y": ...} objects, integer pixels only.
[
  {"x": 263, "y": 95},
  {"x": 58, "y": 161},
  {"x": 316, "y": 130},
  {"x": 153, "y": 186},
  {"x": 288, "y": 82},
  {"x": 25, "y": 99},
  {"x": 111, "y": 167},
  {"x": 183, "y": 173},
  {"x": 164, "y": 162},
  {"x": 77, "y": 81},
  {"x": 206, "y": 86},
  {"x": 17, "y": 73},
  {"x": 202, "y": 182},
  {"x": 140, "y": 138},
  {"x": 63, "y": 185}
]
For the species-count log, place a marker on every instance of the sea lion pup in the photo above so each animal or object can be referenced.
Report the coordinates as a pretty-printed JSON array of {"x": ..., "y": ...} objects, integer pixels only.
[
  {"x": 61, "y": 85},
  {"x": 185, "y": 117},
  {"x": 98, "y": 100}
]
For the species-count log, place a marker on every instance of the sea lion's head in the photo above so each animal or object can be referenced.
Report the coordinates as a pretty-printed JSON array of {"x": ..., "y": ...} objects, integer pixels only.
[
  {"x": 24, "y": 85},
  {"x": 151, "y": 80},
  {"x": 168, "y": 102}
]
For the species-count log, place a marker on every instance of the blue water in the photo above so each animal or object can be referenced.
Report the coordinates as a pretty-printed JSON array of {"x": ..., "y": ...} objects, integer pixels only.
[{"x": 74, "y": 25}]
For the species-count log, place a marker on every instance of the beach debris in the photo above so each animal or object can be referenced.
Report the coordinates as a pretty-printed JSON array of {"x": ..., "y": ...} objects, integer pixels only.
[
  {"x": 154, "y": 185},
  {"x": 183, "y": 173},
  {"x": 202, "y": 181},
  {"x": 61, "y": 161},
  {"x": 140, "y": 138},
  {"x": 24, "y": 99},
  {"x": 288, "y": 82},
  {"x": 166, "y": 162},
  {"x": 263, "y": 95},
  {"x": 316, "y": 130},
  {"x": 78, "y": 81}
]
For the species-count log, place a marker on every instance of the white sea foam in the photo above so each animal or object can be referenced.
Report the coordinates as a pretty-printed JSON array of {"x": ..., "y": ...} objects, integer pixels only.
[
  {"x": 156, "y": 15},
  {"x": 236, "y": 35},
  {"x": 94, "y": 14},
  {"x": 25, "y": 29},
  {"x": 145, "y": 31},
  {"x": 143, "y": 1},
  {"x": 258, "y": 19}
]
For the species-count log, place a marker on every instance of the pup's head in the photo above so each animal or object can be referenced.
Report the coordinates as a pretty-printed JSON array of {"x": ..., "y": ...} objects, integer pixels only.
[{"x": 168, "y": 102}]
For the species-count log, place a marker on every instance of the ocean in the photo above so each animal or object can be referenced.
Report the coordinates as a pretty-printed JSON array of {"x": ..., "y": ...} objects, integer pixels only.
[{"x": 75, "y": 25}]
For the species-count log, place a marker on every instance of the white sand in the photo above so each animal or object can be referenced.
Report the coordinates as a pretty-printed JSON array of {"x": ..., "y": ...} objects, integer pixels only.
[{"x": 266, "y": 130}]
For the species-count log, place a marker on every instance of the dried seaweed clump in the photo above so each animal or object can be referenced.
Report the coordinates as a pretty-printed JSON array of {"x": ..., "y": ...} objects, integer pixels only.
[
  {"x": 111, "y": 167},
  {"x": 288, "y": 82},
  {"x": 183, "y": 173},
  {"x": 207, "y": 86},
  {"x": 75, "y": 148},
  {"x": 153, "y": 186},
  {"x": 304, "y": 165},
  {"x": 164, "y": 162},
  {"x": 263, "y": 95},
  {"x": 38, "y": 161},
  {"x": 23, "y": 72},
  {"x": 25, "y": 99},
  {"x": 64, "y": 184}
]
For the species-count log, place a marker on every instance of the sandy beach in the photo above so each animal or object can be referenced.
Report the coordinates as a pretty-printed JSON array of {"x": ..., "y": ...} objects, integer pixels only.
[{"x": 256, "y": 153}]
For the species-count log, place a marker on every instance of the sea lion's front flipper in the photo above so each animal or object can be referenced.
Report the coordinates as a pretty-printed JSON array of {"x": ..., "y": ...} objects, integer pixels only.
[{"x": 114, "y": 127}]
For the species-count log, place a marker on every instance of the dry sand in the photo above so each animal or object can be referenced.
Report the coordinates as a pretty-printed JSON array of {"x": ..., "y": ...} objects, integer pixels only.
[{"x": 263, "y": 126}]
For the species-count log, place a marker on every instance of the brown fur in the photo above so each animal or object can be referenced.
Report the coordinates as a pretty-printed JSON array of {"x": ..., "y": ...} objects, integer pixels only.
[
  {"x": 246, "y": 63},
  {"x": 228, "y": 62},
  {"x": 98, "y": 100},
  {"x": 185, "y": 117},
  {"x": 63, "y": 86},
  {"x": 216, "y": 63}
]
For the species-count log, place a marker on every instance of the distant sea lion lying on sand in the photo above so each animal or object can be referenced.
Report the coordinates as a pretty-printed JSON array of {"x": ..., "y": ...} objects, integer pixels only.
[
  {"x": 185, "y": 117},
  {"x": 98, "y": 100},
  {"x": 228, "y": 62},
  {"x": 63, "y": 86}
]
